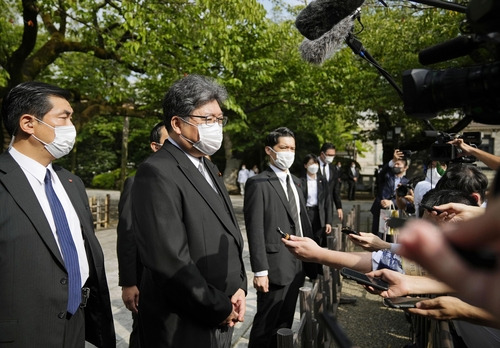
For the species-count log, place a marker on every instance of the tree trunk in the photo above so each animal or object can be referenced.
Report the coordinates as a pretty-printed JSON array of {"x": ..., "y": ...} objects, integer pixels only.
[
  {"x": 232, "y": 164},
  {"x": 124, "y": 161}
]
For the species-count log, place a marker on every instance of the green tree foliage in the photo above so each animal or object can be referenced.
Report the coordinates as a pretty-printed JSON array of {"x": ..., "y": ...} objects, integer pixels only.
[{"x": 119, "y": 57}]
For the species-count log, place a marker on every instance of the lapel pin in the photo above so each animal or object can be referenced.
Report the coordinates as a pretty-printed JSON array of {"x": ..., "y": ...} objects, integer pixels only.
[
  {"x": 70, "y": 180},
  {"x": 220, "y": 174}
]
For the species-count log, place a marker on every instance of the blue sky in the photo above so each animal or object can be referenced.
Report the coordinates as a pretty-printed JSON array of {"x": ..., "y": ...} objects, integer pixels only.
[{"x": 268, "y": 5}]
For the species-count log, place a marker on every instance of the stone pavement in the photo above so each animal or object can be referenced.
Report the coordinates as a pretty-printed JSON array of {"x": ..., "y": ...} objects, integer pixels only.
[{"x": 123, "y": 318}]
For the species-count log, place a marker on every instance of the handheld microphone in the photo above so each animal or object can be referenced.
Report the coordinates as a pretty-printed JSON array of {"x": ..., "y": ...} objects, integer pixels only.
[
  {"x": 321, "y": 15},
  {"x": 319, "y": 50}
]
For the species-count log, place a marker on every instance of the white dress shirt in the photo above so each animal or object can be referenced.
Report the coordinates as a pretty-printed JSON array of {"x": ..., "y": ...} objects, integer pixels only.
[{"x": 35, "y": 173}]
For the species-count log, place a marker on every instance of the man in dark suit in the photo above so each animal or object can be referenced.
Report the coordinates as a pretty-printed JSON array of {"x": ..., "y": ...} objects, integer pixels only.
[
  {"x": 53, "y": 289},
  {"x": 390, "y": 177},
  {"x": 272, "y": 201},
  {"x": 332, "y": 175},
  {"x": 129, "y": 262},
  {"x": 194, "y": 282},
  {"x": 352, "y": 180}
]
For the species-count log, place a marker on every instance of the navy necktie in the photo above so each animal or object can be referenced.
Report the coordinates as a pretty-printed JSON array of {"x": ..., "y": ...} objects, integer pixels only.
[{"x": 67, "y": 245}]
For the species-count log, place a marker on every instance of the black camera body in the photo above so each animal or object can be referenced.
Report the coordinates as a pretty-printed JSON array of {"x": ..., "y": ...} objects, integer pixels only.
[
  {"x": 402, "y": 190},
  {"x": 474, "y": 89},
  {"x": 444, "y": 152},
  {"x": 406, "y": 154}
]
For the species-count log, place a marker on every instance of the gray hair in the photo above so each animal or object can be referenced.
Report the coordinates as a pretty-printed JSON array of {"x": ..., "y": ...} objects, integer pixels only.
[{"x": 190, "y": 93}]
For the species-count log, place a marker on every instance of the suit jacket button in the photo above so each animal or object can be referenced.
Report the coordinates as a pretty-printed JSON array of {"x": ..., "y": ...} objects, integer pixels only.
[
  {"x": 64, "y": 281},
  {"x": 61, "y": 315}
]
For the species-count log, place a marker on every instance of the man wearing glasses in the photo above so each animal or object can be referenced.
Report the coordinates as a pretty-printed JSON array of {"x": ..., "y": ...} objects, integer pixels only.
[{"x": 194, "y": 283}]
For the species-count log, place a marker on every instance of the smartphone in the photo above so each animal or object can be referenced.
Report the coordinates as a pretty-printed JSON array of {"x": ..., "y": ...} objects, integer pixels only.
[
  {"x": 347, "y": 230},
  {"x": 283, "y": 234},
  {"x": 362, "y": 278},
  {"x": 430, "y": 209},
  {"x": 402, "y": 302}
]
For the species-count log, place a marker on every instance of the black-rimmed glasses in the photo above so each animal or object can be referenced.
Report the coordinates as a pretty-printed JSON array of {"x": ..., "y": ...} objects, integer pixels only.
[{"x": 211, "y": 120}]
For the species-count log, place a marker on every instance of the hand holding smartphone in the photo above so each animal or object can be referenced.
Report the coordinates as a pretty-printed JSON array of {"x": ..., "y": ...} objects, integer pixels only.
[
  {"x": 363, "y": 279},
  {"x": 283, "y": 234},
  {"x": 347, "y": 230},
  {"x": 402, "y": 302},
  {"x": 430, "y": 209}
]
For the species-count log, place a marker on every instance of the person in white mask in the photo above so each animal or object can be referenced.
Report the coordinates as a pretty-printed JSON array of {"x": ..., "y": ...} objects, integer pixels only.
[
  {"x": 194, "y": 284},
  {"x": 53, "y": 280},
  {"x": 318, "y": 199},
  {"x": 273, "y": 200},
  {"x": 434, "y": 172}
]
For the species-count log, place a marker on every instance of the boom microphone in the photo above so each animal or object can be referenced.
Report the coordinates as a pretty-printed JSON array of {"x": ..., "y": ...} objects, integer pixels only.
[
  {"x": 321, "y": 15},
  {"x": 319, "y": 50}
]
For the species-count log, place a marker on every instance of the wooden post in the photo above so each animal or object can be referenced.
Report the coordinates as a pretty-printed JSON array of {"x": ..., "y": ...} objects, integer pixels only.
[
  {"x": 285, "y": 338},
  {"x": 306, "y": 309},
  {"x": 357, "y": 217},
  {"x": 107, "y": 201}
]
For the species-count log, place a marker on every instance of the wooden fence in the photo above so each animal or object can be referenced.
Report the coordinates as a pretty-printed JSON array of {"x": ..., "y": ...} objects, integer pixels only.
[{"x": 99, "y": 207}]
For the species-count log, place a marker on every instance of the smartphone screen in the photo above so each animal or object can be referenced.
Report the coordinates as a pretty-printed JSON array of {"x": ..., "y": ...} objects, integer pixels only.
[
  {"x": 349, "y": 231},
  {"x": 362, "y": 278},
  {"x": 402, "y": 302},
  {"x": 429, "y": 208}
]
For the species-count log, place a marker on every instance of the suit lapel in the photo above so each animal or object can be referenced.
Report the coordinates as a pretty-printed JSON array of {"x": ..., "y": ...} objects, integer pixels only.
[
  {"x": 18, "y": 186},
  {"x": 76, "y": 199},
  {"x": 212, "y": 198},
  {"x": 274, "y": 181}
]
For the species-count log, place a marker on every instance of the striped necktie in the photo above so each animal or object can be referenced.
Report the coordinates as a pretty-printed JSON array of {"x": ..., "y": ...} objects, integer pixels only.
[{"x": 67, "y": 245}]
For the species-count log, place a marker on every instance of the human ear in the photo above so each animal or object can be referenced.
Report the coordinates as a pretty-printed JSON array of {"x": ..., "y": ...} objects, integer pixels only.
[{"x": 26, "y": 124}]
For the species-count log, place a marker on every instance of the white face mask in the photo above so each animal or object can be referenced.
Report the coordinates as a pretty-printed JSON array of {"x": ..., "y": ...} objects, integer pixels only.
[
  {"x": 63, "y": 142},
  {"x": 313, "y": 168},
  {"x": 210, "y": 137},
  {"x": 432, "y": 175},
  {"x": 329, "y": 159},
  {"x": 284, "y": 159}
]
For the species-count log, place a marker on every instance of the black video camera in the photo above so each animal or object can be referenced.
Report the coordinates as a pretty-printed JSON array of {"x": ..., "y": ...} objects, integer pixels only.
[
  {"x": 444, "y": 152},
  {"x": 474, "y": 89}
]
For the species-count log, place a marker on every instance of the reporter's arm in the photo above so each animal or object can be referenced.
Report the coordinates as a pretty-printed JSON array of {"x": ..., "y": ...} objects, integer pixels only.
[
  {"x": 369, "y": 241},
  {"x": 487, "y": 158},
  {"x": 306, "y": 249},
  {"x": 452, "y": 308}
]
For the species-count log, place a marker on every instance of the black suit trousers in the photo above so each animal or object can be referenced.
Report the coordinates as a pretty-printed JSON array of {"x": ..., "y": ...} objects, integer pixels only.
[{"x": 275, "y": 310}]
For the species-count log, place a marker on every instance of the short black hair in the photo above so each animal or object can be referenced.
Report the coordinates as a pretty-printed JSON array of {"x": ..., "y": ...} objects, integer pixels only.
[
  {"x": 190, "y": 93},
  {"x": 438, "y": 197},
  {"x": 327, "y": 146},
  {"x": 273, "y": 137},
  {"x": 464, "y": 177},
  {"x": 29, "y": 98},
  {"x": 309, "y": 157},
  {"x": 155, "y": 135}
]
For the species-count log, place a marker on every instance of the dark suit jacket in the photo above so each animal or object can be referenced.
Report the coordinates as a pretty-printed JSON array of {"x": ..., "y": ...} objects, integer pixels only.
[
  {"x": 32, "y": 288},
  {"x": 386, "y": 188},
  {"x": 324, "y": 199},
  {"x": 129, "y": 262},
  {"x": 265, "y": 208},
  {"x": 350, "y": 174},
  {"x": 191, "y": 247},
  {"x": 333, "y": 183}
]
